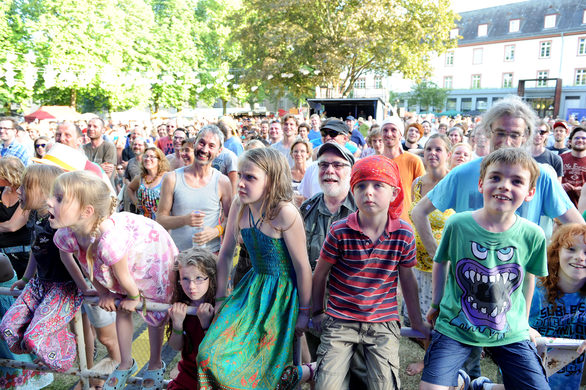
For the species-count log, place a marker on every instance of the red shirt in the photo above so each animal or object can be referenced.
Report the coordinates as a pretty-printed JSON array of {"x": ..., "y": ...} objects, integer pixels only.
[
  {"x": 363, "y": 278},
  {"x": 187, "y": 377},
  {"x": 574, "y": 173}
]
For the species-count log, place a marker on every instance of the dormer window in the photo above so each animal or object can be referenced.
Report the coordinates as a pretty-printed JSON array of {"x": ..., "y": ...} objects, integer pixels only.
[
  {"x": 482, "y": 30},
  {"x": 514, "y": 25}
]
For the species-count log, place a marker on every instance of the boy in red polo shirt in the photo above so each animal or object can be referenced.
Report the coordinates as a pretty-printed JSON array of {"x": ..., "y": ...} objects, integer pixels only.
[{"x": 365, "y": 255}]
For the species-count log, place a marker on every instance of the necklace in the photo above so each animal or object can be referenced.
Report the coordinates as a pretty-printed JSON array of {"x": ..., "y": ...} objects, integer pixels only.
[{"x": 147, "y": 181}]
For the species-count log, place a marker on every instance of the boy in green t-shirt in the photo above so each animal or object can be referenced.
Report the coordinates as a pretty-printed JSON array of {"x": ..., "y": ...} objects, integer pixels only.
[{"x": 484, "y": 276}]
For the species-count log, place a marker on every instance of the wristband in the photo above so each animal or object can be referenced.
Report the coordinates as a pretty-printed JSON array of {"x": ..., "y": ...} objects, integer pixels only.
[
  {"x": 220, "y": 230},
  {"x": 304, "y": 308},
  {"x": 133, "y": 297},
  {"x": 317, "y": 312},
  {"x": 25, "y": 279},
  {"x": 434, "y": 306},
  {"x": 180, "y": 332}
]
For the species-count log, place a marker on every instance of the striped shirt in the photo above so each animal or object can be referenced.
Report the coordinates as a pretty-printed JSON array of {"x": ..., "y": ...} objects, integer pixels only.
[
  {"x": 363, "y": 278},
  {"x": 17, "y": 150}
]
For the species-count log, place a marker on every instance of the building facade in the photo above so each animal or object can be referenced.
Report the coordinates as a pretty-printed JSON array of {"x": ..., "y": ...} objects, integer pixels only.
[{"x": 542, "y": 42}]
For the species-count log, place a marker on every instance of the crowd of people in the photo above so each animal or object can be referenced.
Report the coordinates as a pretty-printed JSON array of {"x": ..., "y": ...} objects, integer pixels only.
[{"x": 467, "y": 230}]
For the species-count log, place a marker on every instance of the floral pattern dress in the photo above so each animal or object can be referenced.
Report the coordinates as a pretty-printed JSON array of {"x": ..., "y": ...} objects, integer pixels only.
[
  {"x": 250, "y": 342},
  {"x": 149, "y": 250}
]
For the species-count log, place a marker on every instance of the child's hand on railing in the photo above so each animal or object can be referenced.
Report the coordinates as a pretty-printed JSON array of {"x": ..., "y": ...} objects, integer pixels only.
[
  {"x": 107, "y": 301},
  {"x": 533, "y": 334},
  {"x": 128, "y": 305},
  {"x": 432, "y": 315},
  {"x": 205, "y": 313}
]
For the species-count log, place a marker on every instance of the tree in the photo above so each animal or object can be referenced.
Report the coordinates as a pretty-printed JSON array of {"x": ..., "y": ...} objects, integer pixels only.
[
  {"x": 428, "y": 94},
  {"x": 303, "y": 43}
]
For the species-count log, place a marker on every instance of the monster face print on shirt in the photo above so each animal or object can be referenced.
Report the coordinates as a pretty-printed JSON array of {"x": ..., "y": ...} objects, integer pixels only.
[
  {"x": 488, "y": 280},
  {"x": 483, "y": 302}
]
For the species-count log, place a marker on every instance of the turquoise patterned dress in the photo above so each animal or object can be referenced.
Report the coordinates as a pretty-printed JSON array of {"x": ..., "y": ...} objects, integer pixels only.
[{"x": 251, "y": 340}]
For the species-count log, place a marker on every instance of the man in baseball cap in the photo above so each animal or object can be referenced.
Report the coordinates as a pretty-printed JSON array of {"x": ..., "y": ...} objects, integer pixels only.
[{"x": 560, "y": 134}]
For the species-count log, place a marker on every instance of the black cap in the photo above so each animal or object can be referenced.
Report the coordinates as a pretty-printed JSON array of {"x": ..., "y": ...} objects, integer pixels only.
[
  {"x": 336, "y": 125},
  {"x": 336, "y": 148}
]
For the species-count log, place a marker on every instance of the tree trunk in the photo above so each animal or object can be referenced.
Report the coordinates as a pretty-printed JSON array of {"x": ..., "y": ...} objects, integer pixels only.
[
  {"x": 224, "y": 106},
  {"x": 73, "y": 98}
]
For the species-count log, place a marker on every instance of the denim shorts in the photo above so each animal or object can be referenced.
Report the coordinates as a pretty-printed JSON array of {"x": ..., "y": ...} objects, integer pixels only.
[{"x": 519, "y": 363}]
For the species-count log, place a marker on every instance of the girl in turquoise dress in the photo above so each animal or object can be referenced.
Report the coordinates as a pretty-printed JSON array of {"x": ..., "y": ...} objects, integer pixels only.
[{"x": 250, "y": 342}]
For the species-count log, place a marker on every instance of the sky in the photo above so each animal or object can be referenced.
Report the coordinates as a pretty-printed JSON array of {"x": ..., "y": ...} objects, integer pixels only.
[{"x": 468, "y": 5}]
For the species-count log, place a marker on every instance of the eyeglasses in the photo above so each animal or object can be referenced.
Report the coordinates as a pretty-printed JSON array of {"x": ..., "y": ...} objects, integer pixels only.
[
  {"x": 120, "y": 168},
  {"x": 579, "y": 139},
  {"x": 323, "y": 165},
  {"x": 196, "y": 280},
  {"x": 149, "y": 157},
  {"x": 329, "y": 132},
  {"x": 504, "y": 134},
  {"x": 40, "y": 145},
  {"x": 543, "y": 132},
  {"x": 6, "y": 128}
]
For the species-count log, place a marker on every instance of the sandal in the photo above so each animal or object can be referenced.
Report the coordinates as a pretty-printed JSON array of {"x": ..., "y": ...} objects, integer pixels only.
[
  {"x": 117, "y": 379},
  {"x": 290, "y": 378},
  {"x": 156, "y": 376}
]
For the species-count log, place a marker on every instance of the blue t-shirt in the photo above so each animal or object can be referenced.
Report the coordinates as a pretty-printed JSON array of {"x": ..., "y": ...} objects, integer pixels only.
[
  {"x": 234, "y": 145},
  {"x": 458, "y": 190},
  {"x": 567, "y": 320}
]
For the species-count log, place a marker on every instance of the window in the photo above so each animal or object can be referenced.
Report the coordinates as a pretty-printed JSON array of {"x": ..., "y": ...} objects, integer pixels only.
[
  {"x": 581, "y": 46},
  {"x": 509, "y": 52},
  {"x": 454, "y": 33},
  {"x": 477, "y": 56},
  {"x": 481, "y": 104},
  {"x": 466, "y": 104},
  {"x": 451, "y": 104},
  {"x": 584, "y": 17},
  {"x": 448, "y": 82},
  {"x": 544, "y": 49},
  {"x": 482, "y": 30},
  {"x": 514, "y": 25},
  {"x": 580, "y": 77},
  {"x": 475, "y": 81},
  {"x": 549, "y": 21},
  {"x": 378, "y": 82},
  {"x": 542, "y": 75},
  {"x": 360, "y": 83},
  {"x": 449, "y": 58},
  {"x": 507, "y": 80}
]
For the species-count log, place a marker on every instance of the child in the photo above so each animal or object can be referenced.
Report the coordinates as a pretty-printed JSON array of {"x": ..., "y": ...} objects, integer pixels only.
[
  {"x": 38, "y": 320},
  {"x": 363, "y": 255},
  {"x": 492, "y": 255},
  {"x": 251, "y": 340},
  {"x": 126, "y": 256},
  {"x": 557, "y": 308},
  {"x": 14, "y": 378},
  {"x": 195, "y": 287}
]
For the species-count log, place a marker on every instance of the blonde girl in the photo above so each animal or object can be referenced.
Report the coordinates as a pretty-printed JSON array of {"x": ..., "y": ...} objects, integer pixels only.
[
  {"x": 251, "y": 340},
  {"x": 38, "y": 320},
  {"x": 125, "y": 256},
  {"x": 195, "y": 287}
]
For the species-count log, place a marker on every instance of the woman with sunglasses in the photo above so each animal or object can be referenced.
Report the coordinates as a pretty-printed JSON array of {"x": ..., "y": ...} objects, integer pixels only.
[
  {"x": 145, "y": 190},
  {"x": 42, "y": 144}
]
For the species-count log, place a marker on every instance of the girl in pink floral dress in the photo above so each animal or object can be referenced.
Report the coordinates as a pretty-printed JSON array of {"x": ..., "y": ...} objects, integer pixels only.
[{"x": 126, "y": 256}]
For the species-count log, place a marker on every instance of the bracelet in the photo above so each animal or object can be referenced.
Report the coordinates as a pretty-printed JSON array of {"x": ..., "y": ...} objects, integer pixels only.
[
  {"x": 434, "y": 306},
  {"x": 180, "y": 332},
  {"x": 220, "y": 299},
  {"x": 304, "y": 308},
  {"x": 220, "y": 230},
  {"x": 133, "y": 297},
  {"x": 317, "y": 312},
  {"x": 25, "y": 279}
]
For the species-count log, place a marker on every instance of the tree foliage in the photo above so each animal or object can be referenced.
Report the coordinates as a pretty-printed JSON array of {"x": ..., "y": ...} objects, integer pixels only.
[
  {"x": 304, "y": 43},
  {"x": 428, "y": 94}
]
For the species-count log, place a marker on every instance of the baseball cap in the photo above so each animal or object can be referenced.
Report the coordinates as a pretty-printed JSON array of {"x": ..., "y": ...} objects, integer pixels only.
[
  {"x": 336, "y": 125},
  {"x": 336, "y": 148},
  {"x": 560, "y": 123}
]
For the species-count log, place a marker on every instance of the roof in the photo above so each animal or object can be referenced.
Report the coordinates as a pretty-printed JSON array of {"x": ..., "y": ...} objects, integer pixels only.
[{"x": 531, "y": 14}]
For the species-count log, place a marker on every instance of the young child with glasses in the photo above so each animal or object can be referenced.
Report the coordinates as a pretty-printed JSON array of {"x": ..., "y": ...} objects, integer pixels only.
[{"x": 195, "y": 287}]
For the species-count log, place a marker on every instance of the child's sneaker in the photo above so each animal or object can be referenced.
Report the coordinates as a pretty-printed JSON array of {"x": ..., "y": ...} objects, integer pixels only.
[
  {"x": 478, "y": 383},
  {"x": 463, "y": 380}
]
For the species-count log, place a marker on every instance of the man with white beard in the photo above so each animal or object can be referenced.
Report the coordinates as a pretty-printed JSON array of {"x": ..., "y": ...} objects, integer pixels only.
[{"x": 335, "y": 201}]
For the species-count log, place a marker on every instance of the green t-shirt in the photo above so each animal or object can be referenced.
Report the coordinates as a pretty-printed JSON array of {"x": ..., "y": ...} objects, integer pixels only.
[{"x": 483, "y": 302}]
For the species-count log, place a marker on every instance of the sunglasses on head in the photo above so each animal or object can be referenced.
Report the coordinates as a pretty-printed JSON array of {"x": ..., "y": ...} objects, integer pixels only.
[{"x": 329, "y": 132}]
